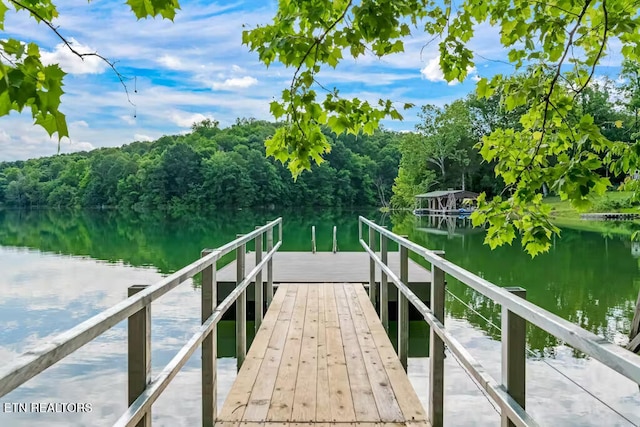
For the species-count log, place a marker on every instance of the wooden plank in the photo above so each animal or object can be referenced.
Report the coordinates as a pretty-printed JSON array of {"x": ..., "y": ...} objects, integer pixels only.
[
  {"x": 342, "y": 408},
  {"x": 363, "y": 401},
  {"x": 408, "y": 401},
  {"x": 382, "y": 391},
  {"x": 323, "y": 403},
  {"x": 304, "y": 401},
  {"x": 236, "y": 402},
  {"x": 258, "y": 405},
  {"x": 282, "y": 398}
]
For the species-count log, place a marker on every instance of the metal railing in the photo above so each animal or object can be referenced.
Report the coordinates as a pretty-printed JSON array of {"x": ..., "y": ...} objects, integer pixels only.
[
  {"x": 335, "y": 239},
  {"x": 509, "y": 392},
  {"x": 313, "y": 239},
  {"x": 143, "y": 390}
]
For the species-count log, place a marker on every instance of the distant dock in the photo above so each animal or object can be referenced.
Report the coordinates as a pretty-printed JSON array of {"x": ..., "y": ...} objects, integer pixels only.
[{"x": 610, "y": 216}]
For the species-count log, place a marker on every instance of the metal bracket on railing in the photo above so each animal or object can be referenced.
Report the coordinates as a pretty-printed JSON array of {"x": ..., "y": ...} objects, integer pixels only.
[{"x": 335, "y": 239}]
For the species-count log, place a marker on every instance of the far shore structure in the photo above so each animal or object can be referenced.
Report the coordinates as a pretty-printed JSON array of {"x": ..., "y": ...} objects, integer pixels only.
[{"x": 444, "y": 202}]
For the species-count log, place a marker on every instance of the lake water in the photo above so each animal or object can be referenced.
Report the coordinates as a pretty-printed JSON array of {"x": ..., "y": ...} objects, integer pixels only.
[{"x": 60, "y": 268}]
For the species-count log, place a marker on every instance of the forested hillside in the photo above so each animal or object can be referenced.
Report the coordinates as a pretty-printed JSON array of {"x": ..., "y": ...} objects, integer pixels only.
[
  {"x": 212, "y": 167},
  {"x": 209, "y": 167}
]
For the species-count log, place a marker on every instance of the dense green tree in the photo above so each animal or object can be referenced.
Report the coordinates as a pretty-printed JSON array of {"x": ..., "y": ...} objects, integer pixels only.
[{"x": 557, "y": 47}]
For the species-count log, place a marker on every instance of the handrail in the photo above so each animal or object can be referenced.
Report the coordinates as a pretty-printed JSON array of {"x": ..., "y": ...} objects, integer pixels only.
[
  {"x": 33, "y": 362},
  {"x": 143, "y": 403},
  {"x": 611, "y": 355},
  {"x": 616, "y": 358}
]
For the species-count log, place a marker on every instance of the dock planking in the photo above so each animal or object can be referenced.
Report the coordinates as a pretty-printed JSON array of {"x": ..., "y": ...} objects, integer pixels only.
[{"x": 322, "y": 359}]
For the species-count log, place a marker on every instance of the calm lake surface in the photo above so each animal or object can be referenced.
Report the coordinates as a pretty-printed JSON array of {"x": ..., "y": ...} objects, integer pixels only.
[{"x": 60, "y": 268}]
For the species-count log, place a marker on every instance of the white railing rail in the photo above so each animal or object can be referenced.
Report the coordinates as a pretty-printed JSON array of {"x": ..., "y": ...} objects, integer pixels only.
[
  {"x": 509, "y": 392},
  {"x": 136, "y": 308}
]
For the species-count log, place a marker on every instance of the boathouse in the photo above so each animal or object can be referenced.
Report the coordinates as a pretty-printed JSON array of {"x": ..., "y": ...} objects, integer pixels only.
[{"x": 443, "y": 202}]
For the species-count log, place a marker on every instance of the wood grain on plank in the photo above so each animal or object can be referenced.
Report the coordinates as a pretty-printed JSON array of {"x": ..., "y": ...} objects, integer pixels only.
[
  {"x": 408, "y": 401},
  {"x": 363, "y": 401},
  {"x": 323, "y": 402},
  {"x": 236, "y": 402},
  {"x": 283, "y": 393},
  {"x": 342, "y": 408},
  {"x": 382, "y": 390},
  {"x": 304, "y": 401}
]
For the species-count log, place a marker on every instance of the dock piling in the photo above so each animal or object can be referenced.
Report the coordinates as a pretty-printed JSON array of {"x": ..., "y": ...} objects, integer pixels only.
[
  {"x": 259, "y": 285},
  {"x": 139, "y": 353},
  {"x": 209, "y": 362},
  {"x": 384, "y": 287},
  {"x": 436, "y": 350},
  {"x": 241, "y": 305},
  {"x": 514, "y": 356},
  {"x": 403, "y": 309},
  {"x": 372, "y": 268}
]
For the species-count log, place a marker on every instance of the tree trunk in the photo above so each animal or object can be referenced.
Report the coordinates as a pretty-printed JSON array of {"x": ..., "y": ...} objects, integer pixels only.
[{"x": 463, "y": 181}]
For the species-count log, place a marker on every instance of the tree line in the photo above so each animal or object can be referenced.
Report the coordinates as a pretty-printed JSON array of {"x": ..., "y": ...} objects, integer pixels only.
[
  {"x": 208, "y": 168},
  {"x": 212, "y": 167}
]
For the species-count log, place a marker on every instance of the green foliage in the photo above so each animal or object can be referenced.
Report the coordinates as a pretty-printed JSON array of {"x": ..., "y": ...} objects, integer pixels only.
[
  {"x": 554, "y": 46},
  {"x": 208, "y": 168},
  {"x": 25, "y": 82}
]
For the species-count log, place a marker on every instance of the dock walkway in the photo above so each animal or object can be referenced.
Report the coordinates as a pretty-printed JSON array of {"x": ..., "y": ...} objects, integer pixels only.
[{"x": 322, "y": 357}]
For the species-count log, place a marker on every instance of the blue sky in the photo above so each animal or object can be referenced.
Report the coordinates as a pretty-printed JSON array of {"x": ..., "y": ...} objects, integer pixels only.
[{"x": 196, "y": 68}]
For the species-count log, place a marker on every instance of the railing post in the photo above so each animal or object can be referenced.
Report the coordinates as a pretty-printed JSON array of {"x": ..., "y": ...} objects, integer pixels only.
[
  {"x": 403, "y": 308},
  {"x": 313, "y": 239},
  {"x": 436, "y": 350},
  {"x": 259, "y": 286},
  {"x": 335, "y": 239},
  {"x": 514, "y": 356},
  {"x": 269, "y": 289},
  {"x": 139, "y": 353},
  {"x": 241, "y": 305},
  {"x": 372, "y": 267},
  {"x": 209, "y": 368},
  {"x": 384, "y": 287}
]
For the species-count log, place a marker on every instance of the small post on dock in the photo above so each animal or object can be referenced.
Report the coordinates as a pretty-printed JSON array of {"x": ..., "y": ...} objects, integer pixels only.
[
  {"x": 209, "y": 299},
  {"x": 372, "y": 268},
  {"x": 241, "y": 305},
  {"x": 436, "y": 350},
  {"x": 139, "y": 353},
  {"x": 259, "y": 286},
  {"x": 313, "y": 239},
  {"x": 269, "y": 288},
  {"x": 514, "y": 356},
  {"x": 403, "y": 308},
  {"x": 384, "y": 287},
  {"x": 335, "y": 239}
]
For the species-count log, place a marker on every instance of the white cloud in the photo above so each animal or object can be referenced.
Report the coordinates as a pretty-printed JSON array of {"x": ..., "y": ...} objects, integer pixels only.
[
  {"x": 185, "y": 120},
  {"x": 128, "y": 119},
  {"x": 70, "y": 62},
  {"x": 236, "y": 83},
  {"x": 433, "y": 72},
  {"x": 141, "y": 137}
]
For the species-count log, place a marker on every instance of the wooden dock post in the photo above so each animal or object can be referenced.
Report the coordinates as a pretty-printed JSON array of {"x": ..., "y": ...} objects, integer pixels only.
[
  {"x": 259, "y": 286},
  {"x": 403, "y": 308},
  {"x": 313, "y": 239},
  {"x": 634, "y": 332},
  {"x": 139, "y": 352},
  {"x": 241, "y": 306},
  {"x": 209, "y": 361},
  {"x": 384, "y": 287},
  {"x": 514, "y": 356},
  {"x": 372, "y": 268},
  {"x": 436, "y": 350},
  {"x": 269, "y": 288}
]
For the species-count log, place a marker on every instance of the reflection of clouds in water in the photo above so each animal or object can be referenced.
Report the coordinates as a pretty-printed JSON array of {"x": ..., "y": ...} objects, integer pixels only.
[
  {"x": 64, "y": 291},
  {"x": 551, "y": 398}
]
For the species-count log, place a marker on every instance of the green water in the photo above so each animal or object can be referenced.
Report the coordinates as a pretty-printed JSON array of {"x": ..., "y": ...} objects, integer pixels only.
[{"x": 60, "y": 268}]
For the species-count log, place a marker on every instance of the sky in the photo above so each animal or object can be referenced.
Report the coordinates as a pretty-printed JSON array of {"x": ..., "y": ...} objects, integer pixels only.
[{"x": 196, "y": 67}]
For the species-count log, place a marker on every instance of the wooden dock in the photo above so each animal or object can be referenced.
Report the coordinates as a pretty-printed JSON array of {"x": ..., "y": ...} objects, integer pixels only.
[
  {"x": 322, "y": 357},
  {"x": 613, "y": 216}
]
